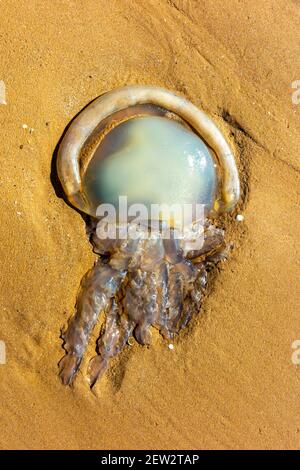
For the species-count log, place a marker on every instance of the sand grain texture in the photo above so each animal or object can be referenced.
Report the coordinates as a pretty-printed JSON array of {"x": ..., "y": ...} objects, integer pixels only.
[{"x": 229, "y": 382}]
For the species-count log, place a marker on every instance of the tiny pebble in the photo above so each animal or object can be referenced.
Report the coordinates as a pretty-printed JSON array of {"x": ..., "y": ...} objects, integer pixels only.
[
  {"x": 19, "y": 213},
  {"x": 239, "y": 218},
  {"x": 171, "y": 346},
  {"x": 24, "y": 126}
]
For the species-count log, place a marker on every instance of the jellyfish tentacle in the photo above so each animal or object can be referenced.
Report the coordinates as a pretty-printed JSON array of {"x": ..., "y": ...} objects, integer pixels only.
[
  {"x": 212, "y": 252},
  {"x": 185, "y": 294},
  {"x": 184, "y": 297},
  {"x": 163, "y": 295},
  {"x": 212, "y": 241},
  {"x": 151, "y": 293},
  {"x": 194, "y": 287},
  {"x": 98, "y": 286},
  {"x": 193, "y": 299},
  {"x": 149, "y": 310},
  {"x": 140, "y": 303},
  {"x": 120, "y": 260},
  {"x": 133, "y": 300},
  {"x": 141, "y": 300},
  {"x": 118, "y": 327},
  {"x": 176, "y": 298}
]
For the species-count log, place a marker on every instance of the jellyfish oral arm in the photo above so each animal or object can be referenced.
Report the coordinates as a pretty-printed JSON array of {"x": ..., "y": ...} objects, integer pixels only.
[
  {"x": 98, "y": 286},
  {"x": 163, "y": 289}
]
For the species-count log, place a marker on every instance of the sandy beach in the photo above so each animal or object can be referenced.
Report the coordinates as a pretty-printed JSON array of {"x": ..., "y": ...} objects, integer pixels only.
[{"x": 230, "y": 381}]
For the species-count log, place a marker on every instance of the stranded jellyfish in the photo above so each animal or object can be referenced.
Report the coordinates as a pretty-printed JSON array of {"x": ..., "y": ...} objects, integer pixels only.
[{"x": 162, "y": 157}]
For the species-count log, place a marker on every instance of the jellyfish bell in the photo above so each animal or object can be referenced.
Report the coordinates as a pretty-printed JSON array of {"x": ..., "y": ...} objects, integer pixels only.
[
  {"x": 144, "y": 154},
  {"x": 155, "y": 163}
]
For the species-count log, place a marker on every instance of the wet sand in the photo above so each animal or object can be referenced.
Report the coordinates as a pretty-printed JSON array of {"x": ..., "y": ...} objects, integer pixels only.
[{"x": 229, "y": 382}]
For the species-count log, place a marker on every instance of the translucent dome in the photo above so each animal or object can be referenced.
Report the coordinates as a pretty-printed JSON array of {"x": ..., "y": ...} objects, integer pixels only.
[{"x": 151, "y": 160}]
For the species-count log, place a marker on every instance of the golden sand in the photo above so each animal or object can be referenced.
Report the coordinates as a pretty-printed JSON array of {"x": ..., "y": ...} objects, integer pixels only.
[{"x": 229, "y": 382}]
